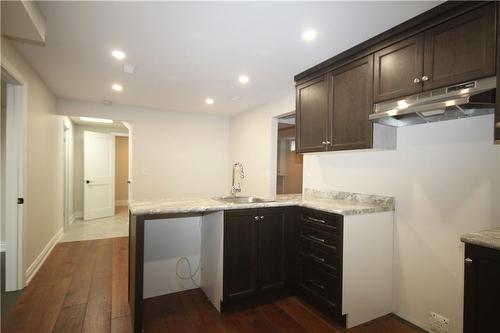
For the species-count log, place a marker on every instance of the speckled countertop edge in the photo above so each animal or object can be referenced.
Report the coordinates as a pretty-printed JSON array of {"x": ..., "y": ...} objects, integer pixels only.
[
  {"x": 343, "y": 203},
  {"x": 487, "y": 238}
]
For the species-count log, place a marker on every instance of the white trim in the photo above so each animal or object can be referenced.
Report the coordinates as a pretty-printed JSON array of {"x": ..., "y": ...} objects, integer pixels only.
[
  {"x": 3, "y": 246},
  {"x": 121, "y": 203},
  {"x": 16, "y": 150},
  {"x": 38, "y": 262}
]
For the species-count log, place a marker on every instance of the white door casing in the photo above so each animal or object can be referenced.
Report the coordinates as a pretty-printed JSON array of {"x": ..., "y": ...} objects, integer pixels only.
[
  {"x": 99, "y": 175},
  {"x": 15, "y": 169}
]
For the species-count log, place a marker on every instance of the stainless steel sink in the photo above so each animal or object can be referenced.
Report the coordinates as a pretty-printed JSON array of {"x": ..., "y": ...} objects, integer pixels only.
[{"x": 237, "y": 199}]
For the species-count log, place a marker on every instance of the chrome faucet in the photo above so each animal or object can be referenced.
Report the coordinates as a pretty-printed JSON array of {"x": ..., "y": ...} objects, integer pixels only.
[{"x": 236, "y": 188}]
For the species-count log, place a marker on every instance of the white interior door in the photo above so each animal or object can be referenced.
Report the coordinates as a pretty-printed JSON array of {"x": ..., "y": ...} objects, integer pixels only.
[{"x": 99, "y": 175}]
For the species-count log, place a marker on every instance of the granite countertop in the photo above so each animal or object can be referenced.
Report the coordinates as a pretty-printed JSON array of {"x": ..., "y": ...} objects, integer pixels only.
[
  {"x": 343, "y": 203},
  {"x": 486, "y": 238}
]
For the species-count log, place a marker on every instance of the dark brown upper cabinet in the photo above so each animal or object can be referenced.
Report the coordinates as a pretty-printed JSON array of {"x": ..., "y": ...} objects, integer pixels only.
[
  {"x": 398, "y": 69},
  {"x": 351, "y": 104},
  {"x": 312, "y": 115},
  {"x": 461, "y": 49}
]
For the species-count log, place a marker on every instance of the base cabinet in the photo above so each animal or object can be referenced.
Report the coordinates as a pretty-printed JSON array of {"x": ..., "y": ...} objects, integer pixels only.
[
  {"x": 254, "y": 254},
  {"x": 324, "y": 258},
  {"x": 482, "y": 289}
]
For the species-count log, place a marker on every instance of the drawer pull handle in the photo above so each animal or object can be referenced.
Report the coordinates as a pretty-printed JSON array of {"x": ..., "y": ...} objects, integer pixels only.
[
  {"x": 314, "y": 283},
  {"x": 317, "y": 258},
  {"x": 314, "y": 238},
  {"x": 312, "y": 219}
]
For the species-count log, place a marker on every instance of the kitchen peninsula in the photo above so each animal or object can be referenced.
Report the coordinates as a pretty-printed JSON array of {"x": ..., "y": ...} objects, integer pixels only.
[{"x": 319, "y": 245}]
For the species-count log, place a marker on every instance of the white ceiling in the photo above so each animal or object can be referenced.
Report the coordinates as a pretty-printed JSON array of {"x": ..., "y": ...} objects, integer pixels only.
[{"x": 185, "y": 52}]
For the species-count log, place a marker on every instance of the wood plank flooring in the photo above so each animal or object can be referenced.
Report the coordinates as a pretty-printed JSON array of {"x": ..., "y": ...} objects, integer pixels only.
[{"x": 82, "y": 287}]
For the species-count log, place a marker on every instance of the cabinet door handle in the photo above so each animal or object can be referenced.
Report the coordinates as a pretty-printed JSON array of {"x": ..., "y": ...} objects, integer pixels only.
[
  {"x": 425, "y": 78},
  {"x": 262, "y": 217},
  {"x": 314, "y": 283},
  {"x": 327, "y": 142},
  {"x": 497, "y": 125},
  {"x": 313, "y": 219},
  {"x": 317, "y": 258},
  {"x": 323, "y": 142},
  {"x": 416, "y": 80},
  {"x": 312, "y": 237},
  {"x": 256, "y": 218},
  {"x": 468, "y": 261}
]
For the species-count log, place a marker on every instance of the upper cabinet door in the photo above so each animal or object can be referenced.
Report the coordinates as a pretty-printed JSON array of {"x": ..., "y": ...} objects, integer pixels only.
[
  {"x": 398, "y": 69},
  {"x": 312, "y": 115},
  {"x": 351, "y": 93},
  {"x": 461, "y": 49}
]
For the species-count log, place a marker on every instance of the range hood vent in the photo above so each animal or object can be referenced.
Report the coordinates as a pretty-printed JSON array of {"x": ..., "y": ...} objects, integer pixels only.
[{"x": 469, "y": 99}]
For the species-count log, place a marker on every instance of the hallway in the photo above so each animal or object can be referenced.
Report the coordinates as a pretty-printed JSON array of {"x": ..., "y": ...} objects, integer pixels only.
[{"x": 109, "y": 227}]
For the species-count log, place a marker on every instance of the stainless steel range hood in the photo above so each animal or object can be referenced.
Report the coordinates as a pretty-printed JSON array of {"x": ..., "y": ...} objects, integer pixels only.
[{"x": 469, "y": 99}]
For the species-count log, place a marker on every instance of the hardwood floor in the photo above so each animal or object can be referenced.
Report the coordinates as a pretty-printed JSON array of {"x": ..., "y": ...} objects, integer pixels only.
[{"x": 82, "y": 287}]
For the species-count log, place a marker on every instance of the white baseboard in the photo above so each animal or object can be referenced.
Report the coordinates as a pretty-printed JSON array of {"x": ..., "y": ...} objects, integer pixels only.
[
  {"x": 121, "y": 203},
  {"x": 78, "y": 215},
  {"x": 3, "y": 246},
  {"x": 35, "y": 266}
]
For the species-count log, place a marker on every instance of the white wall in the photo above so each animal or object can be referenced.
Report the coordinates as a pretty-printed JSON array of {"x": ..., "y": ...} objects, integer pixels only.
[
  {"x": 174, "y": 154},
  {"x": 78, "y": 160},
  {"x": 253, "y": 141},
  {"x": 446, "y": 181},
  {"x": 44, "y": 160}
]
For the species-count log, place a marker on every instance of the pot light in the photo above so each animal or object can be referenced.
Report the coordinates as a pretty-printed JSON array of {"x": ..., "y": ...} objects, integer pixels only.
[
  {"x": 117, "y": 87},
  {"x": 309, "y": 35},
  {"x": 209, "y": 101},
  {"x": 97, "y": 120},
  {"x": 119, "y": 55},
  {"x": 243, "y": 79}
]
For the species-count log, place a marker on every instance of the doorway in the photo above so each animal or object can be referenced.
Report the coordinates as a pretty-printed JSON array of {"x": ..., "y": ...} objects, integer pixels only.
[
  {"x": 13, "y": 97},
  {"x": 289, "y": 163},
  {"x": 100, "y": 176}
]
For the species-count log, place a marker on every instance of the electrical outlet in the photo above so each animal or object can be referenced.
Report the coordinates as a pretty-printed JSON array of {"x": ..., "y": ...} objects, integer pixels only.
[{"x": 438, "y": 323}]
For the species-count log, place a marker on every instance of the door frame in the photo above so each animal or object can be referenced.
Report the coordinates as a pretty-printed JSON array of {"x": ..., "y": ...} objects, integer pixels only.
[
  {"x": 15, "y": 171},
  {"x": 68, "y": 214},
  {"x": 274, "y": 149}
]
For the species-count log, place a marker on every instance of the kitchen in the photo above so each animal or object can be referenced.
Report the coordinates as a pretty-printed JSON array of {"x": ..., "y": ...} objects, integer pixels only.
[{"x": 398, "y": 173}]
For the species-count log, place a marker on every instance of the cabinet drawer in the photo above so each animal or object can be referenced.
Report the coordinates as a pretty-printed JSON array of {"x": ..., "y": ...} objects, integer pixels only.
[
  {"x": 332, "y": 243},
  {"x": 321, "y": 257},
  {"x": 320, "y": 284},
  {"x": 321, "y": 220}
]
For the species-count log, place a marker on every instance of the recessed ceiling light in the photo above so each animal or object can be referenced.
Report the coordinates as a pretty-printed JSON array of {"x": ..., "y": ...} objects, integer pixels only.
[
  {"x": 235, "y": 98},
  {"x": 97, "y": 120},
  {"x": 118, "y": 54},
  {"x": 117, "y": 87},
  {"x": 209, "y": 101},
  {"x": 309, "y": 35},
  {"x": 243, "y": 79}
]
